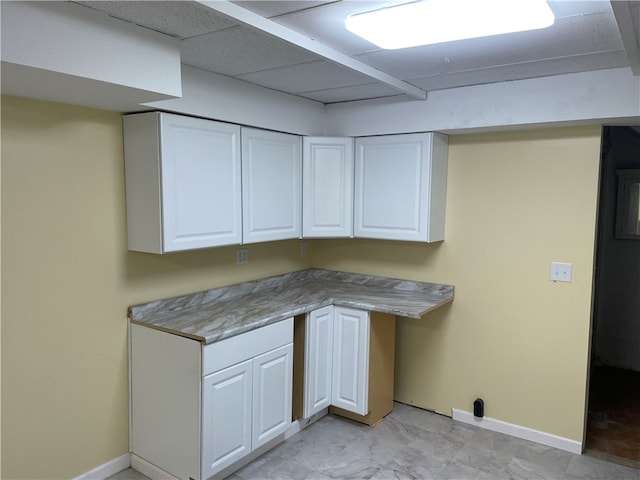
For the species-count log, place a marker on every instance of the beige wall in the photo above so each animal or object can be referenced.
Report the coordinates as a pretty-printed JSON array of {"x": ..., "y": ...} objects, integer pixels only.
[
  {"x": 516, "y": 202},
  {"x": 67, "y": 282}
]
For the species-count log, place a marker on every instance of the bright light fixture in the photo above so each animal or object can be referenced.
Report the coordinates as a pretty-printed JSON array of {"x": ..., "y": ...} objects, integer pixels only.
[{"x": 435, "y": 21}]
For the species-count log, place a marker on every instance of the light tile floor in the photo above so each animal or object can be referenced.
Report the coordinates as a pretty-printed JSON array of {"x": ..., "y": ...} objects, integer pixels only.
[{"x": 411, "y": 443}]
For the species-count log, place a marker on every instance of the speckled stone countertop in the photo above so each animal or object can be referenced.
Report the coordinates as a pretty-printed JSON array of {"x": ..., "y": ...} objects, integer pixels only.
[{"x": 227, "y": 311}]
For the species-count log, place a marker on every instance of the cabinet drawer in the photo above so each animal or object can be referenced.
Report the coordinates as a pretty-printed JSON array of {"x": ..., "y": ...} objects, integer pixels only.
[{"x": 230, "y": 351}]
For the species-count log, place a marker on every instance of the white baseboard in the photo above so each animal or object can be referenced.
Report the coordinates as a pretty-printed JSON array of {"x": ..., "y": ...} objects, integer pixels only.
[
  {"x": 149, "y": 469},
  {"x": 525, "y": 433},
  {"x": 108, "y": 469}
]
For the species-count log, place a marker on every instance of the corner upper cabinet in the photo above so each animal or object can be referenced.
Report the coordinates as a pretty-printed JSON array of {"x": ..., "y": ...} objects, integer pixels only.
[
  {"x": 327, "y": 187},
  {"x": 400, "y": 187},
  {"x": 183, "y": 185},
  {"x": 271, "y": 180}
]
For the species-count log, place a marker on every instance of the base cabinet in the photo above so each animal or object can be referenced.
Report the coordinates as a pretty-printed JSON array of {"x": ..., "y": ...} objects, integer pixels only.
[
  {"x": 349, "y": 363},
  {"x": 351, "y": 330},
  {"x": 227, "y": 403},
  {"x": 272, "y": 377},
  {"x": 197, "y": 410},
  {"x": 318, "y": 358}
]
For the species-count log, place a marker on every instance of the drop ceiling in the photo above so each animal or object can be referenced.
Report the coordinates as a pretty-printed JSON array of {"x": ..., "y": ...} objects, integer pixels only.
[{"x": 587, "y": 35}]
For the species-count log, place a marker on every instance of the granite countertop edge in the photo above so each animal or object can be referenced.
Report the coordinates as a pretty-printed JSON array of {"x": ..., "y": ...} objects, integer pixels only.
[{"x": 224, "y": 312}]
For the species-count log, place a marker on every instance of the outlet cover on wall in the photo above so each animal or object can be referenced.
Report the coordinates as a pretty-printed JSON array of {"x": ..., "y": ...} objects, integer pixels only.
[
  {"x": 561, "y": 272},
  {"x": 242, "y": 256}
]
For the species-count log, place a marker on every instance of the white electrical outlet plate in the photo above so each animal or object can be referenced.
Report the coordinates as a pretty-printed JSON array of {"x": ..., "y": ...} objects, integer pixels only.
[
  {"x": 242, "y": 256},
  {"x": 303, "y": 249},
  {"x": 561, "y": 272}
]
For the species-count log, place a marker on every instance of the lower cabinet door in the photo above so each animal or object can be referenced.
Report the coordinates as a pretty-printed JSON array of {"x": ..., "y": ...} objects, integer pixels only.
[
  {"x": 350, "y": 359},
  {"x": 226, "y": 417},
  {"x": 318, "y": 367},
  {"x": 272, "y": 394}
]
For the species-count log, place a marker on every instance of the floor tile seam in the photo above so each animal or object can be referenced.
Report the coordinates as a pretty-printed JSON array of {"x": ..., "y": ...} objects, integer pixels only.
[
  {"x": 483, "y": 468},
  {"x": 540, "y": 469},
  {"x": 544, "y": 465},
  {"x": 439, "y": 431},
  {"x": 485, "y": 451},
  {"x": 302, "y": 466}
]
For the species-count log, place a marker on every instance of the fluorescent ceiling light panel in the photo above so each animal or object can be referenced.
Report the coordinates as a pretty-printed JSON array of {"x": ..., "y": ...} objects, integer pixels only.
[{"x": 437, "y": 21}]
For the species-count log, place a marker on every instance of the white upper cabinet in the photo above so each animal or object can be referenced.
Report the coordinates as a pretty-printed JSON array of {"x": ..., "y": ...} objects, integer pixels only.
[
  {"x": 327, "y": 187},
  {"x": 271, "y": 179},
  {"x": 183, "y": 182},
  {"x": 193, "y": 183},
  {"x": 400, "y": 187}
]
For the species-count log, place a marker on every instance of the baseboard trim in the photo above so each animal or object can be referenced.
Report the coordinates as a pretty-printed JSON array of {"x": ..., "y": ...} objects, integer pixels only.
[
  {"x": 108, "y": 469},
  {"x": 149, "y": 469},
  {"x": 518, "y": 431}
]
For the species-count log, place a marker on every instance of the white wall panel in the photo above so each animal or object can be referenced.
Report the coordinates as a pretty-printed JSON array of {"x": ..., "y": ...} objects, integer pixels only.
[
  {"x": 89, "y": 51},
  {"x": 222, "y": 98},
  {"x": 603, "y": 96}
]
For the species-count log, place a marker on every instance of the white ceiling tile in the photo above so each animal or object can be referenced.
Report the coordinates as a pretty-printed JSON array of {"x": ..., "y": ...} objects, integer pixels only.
[
  {"x": 307, "y": 77},
  {"x": 568, "y": 37},
  {"x": 180, "y": 19},
  {"x": 348, "y": 94},
  {"x": 272, "y": 8},
  {"x": 557, "y": 66},
  {"x": 567, "y": 8},
  {"x": 241, "y": 50},
  {"x": 326, "y": 24},
  {"x": 584, "y": 37}
]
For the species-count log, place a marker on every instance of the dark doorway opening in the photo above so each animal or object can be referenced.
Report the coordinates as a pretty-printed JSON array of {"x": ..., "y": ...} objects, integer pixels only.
[{"x": 613, "y": 420}]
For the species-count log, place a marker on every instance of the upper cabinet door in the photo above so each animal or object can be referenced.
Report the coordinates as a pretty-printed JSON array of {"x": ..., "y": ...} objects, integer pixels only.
[
  {"x": 271, "y": 179},
  {"x": 327, "y": 187},
  {"x": 400, "y": 187},
  {"x": 183, "y": 182}
]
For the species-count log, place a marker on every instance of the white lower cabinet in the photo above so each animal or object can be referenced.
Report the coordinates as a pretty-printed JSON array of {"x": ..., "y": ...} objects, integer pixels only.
[
  {"x": 226, "y": 409},
  {"x": 197, "y": 410},
  {"x": 350, "y": 360},
  {"x": 272, "y": 376},
  {"x": 318, "y": 367},
  {"x": 245, "y": 406},
  {"x": 336, "y": 360}
]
